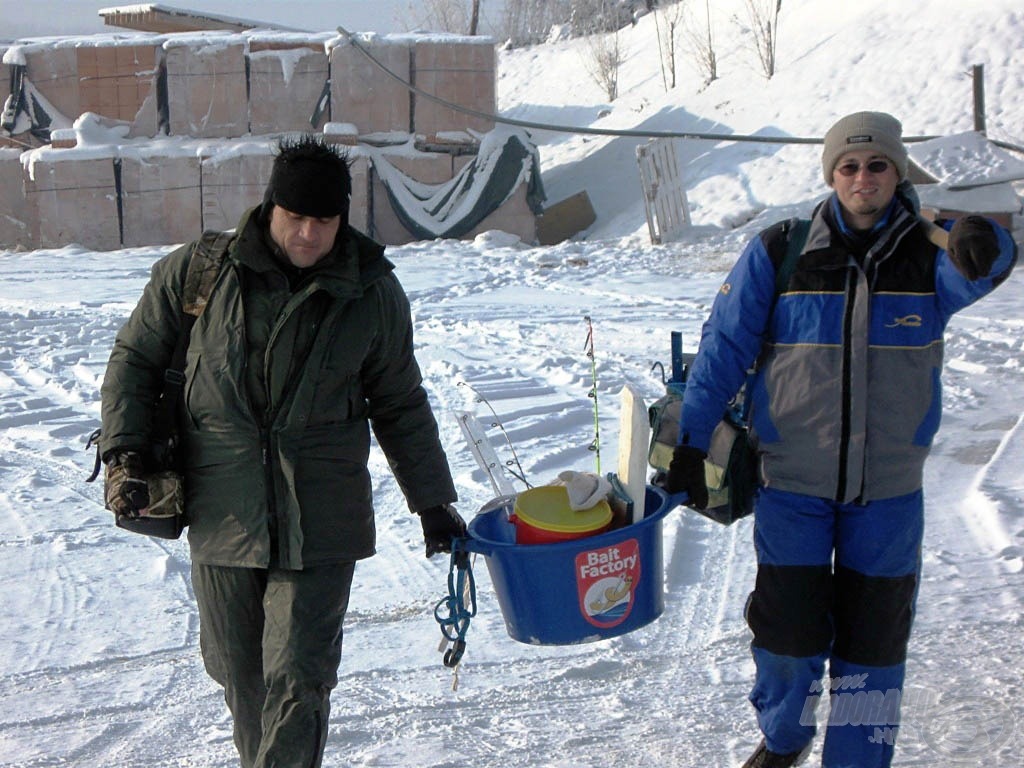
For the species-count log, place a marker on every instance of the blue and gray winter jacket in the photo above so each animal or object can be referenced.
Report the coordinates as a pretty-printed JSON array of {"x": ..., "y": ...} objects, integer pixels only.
[{"x": 846, "y": 397}]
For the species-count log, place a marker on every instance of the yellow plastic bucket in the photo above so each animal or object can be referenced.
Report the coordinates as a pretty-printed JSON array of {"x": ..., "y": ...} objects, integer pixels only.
[{"x": 542, "y": 515}]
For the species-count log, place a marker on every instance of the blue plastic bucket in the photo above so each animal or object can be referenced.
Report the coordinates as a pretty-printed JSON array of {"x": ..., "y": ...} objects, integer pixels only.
[{"x": 574, "y": 591}]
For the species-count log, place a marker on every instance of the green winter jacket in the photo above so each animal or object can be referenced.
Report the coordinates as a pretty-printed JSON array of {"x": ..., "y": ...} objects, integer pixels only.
[{"x": 281, "y": 389}]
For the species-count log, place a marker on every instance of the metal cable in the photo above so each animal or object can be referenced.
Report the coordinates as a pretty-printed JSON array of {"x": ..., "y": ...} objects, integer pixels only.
[{"x": 589, "y": 130}]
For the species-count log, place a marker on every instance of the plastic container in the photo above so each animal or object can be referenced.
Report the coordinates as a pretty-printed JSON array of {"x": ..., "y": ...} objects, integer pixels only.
[
  {"x": 576, "y": 591},
  {"x": 542, "y": 515}
]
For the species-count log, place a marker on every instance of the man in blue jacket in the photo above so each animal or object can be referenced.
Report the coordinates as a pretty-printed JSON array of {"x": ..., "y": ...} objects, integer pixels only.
[{"x": 845, "y": 403}]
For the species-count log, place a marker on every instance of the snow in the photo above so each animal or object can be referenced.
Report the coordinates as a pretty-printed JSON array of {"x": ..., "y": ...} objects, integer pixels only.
[{"x": 101, "y": 664}]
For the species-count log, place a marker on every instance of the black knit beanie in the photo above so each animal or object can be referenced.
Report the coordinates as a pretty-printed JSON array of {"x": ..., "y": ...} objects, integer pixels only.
[{"x": 310, "y": 178}]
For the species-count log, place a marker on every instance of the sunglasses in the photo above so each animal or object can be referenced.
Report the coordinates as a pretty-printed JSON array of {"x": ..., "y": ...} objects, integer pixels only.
[{"x": 852, "y": 168}]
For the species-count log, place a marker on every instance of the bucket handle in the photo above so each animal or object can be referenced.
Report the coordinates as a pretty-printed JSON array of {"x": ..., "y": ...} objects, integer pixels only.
[{"x": 470, "y": 544}]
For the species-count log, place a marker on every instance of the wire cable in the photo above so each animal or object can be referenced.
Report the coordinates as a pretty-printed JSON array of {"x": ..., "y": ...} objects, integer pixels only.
[{"x": 584, "y": 130}]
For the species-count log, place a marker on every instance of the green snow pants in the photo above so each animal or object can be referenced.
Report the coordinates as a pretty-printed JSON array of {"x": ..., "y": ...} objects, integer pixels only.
[{"x": 272, "y": 640}]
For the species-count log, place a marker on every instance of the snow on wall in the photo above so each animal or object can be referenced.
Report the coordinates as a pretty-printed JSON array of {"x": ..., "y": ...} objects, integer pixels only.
[
  {"x": 285, "y": 86},
  {"x": 187, "y": 122}
]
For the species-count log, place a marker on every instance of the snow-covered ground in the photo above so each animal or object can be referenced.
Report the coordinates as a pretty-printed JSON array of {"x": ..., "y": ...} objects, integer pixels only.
[{"x": 98, "y": 628}]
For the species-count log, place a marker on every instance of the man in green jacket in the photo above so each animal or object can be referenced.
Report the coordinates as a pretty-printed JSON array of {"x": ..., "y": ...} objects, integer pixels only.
[{"x": 305, "y": 343}]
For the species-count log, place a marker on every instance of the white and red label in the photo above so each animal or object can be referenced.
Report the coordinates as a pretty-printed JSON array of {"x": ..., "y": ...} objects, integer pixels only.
[{"x": 606, "y": 579}]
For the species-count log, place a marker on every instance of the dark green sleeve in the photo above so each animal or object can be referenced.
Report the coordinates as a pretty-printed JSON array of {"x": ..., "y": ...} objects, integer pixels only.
[
  {"x": 400, "y": 412},
  {"x": 141, "y": 353}
]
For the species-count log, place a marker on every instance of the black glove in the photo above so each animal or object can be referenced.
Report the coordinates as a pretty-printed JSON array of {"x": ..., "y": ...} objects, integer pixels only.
[
  {"x": 126, "y": 490},
  {"x": 973, "y": 246},
  {"x": 686, "y": 473},
  {"x": 441, "y": 524}
]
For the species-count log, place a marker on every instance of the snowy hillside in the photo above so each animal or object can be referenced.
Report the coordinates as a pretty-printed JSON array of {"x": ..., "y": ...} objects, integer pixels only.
[{"x": 99, "y": 631}]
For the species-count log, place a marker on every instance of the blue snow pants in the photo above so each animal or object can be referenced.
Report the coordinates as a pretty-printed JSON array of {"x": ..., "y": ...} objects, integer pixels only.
[{"x": 836, "y": 584}]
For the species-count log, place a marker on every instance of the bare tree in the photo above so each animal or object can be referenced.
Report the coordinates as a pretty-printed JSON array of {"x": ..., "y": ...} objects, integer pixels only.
[
  {"x": 440, "y": 15},
  {"x": 668, "y": 30},
  {"x": 474, "y": 19},
  {"x": 530, "y": 21},
  {"x": 603, "y": 60},
  {"x": 763, "y": 16},
  {"x": 702, "y": 46}
]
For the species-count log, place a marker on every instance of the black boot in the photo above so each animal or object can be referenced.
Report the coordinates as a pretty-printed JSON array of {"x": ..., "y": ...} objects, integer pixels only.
[{"x": 765, "y": 758}]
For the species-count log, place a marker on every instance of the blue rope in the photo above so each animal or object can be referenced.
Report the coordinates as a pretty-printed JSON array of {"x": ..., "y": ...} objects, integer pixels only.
[{"x": 460, "y": 584}]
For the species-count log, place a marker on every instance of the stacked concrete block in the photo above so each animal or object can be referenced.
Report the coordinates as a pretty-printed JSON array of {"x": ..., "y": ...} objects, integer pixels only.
[
  {"x": 423, "y": 167},
  {"x": 160, "y": 198},
  {"x": 459, "y": 70},
  {"x": 74, "y": 194},
  {"x": 116, "y": 80},
  {"x": 363, "y": 94},
  {"x": 17, "y": 226},
  {"x": 234, "y": 180},
  {"x": 359, "y": 213},
  {"x": 5, "y": 77},
  {"x": 206, "y": 87},
  {"x": 286, "y": 81},
  {"x": 53, "y": 70}
]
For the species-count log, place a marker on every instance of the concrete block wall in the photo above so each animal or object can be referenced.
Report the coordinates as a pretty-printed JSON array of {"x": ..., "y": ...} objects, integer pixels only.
[
  {"x": 460, "y": 71},
  {"x": 106, "y": 198},
  {"x": 160, "y": 198},
  {"x": 230, "y": 95},
  {"x": 116, "y": 80},
  {"x": 233, "y": 182},
  {"x": 360, "y": 214},
  {"x": 207, "y": 90},
  {"x": 286, "y": 81},
  {"x": 17, "y": 224},
  {"x": 364, "y": 95},
  {"x": 514, "y": 217},
  {"x": 74, "y": 202},
  {"x": 53, "y": 70},
  {"x": 222, "y": 85}
]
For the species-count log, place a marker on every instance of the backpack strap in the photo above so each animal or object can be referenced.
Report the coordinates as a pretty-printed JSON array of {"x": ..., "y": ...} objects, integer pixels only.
[
  {"x": 796, "y": 239},
  {"x": 204, "y": 266},
  {"x": 795, "y": 231}
]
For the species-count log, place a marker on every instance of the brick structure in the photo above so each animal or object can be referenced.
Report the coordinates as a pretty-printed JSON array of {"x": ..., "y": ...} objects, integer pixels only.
[
  {"x": 115, "y": 80},
  {"x": 160, "y": 198},
  {"x": 207, "y": 92},
  {"x": 17, "y": 223},
  {"x": 286, "y": 80},
  {"x": 75, "y": 198},
  {"x": 363, "y": 94},
  {"x": 459, "y": 71},
  {"x": 214, "y": 106}
]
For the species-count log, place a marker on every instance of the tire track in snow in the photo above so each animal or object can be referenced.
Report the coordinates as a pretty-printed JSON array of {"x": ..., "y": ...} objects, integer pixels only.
[{"x": 540, "y": 397}]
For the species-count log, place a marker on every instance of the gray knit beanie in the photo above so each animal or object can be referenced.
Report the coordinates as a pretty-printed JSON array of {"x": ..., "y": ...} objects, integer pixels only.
[{"x": 865, "y": 130}]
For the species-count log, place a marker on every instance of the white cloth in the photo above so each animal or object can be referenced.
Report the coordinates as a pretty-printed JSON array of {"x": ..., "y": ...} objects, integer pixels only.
[{"x": 585, "y": 488}]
